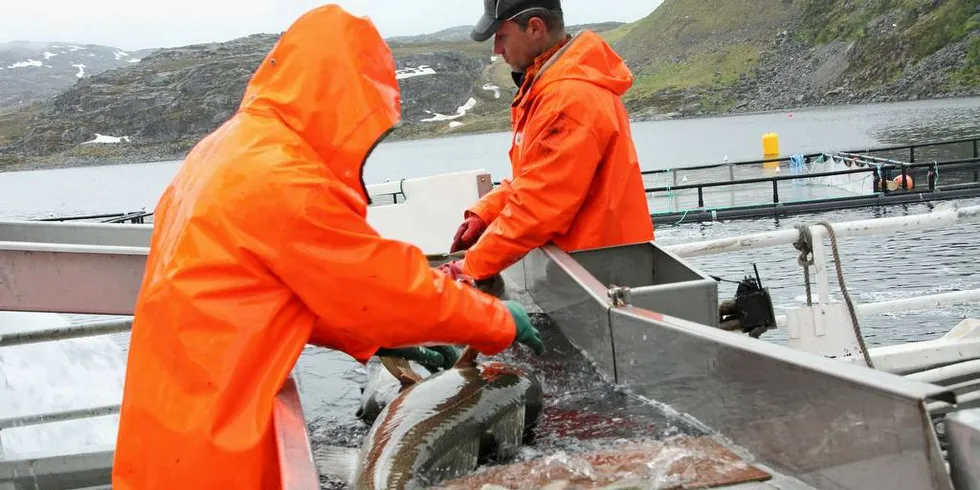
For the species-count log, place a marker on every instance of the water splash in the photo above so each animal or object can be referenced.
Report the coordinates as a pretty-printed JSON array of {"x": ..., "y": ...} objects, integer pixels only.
[{"x": 54, "y": 376}]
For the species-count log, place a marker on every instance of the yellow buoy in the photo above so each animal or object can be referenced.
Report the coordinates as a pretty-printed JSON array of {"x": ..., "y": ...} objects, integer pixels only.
[
  {"x": 770, "y": 148},
  {"x": 770, "y": 144}
]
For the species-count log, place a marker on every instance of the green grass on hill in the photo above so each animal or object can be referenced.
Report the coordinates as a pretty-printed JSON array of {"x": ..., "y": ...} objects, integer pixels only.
[
  {"x": 678, "y": 46},
  {"x": 613, "y": 36},
  {"x": 13, "y": 125},
  {"x": 969, "y": 75},
  {"x": 713, "y": 68},
  {"x": 927, "y": 24},
  {"x": 888, "y": 35}
]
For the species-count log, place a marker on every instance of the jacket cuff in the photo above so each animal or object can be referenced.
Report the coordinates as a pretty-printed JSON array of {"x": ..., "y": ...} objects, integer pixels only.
[{"x": 505, "y": 338}]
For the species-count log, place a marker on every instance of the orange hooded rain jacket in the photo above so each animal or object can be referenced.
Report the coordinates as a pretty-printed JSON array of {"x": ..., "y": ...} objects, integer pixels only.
[
  {"x": 260, "y": 246},
  {"x": 576, "y": 178}
]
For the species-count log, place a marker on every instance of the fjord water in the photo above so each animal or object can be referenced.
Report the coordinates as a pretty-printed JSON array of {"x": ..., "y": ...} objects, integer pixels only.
[{"x": 88, "y": 372}]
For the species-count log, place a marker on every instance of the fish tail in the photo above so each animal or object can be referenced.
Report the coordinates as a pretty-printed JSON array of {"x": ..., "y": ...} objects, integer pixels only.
[{"x": 336, "y": 461}]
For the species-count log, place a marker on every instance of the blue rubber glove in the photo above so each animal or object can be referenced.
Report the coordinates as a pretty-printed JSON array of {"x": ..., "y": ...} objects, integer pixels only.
[{"x": 526, "y": 333}]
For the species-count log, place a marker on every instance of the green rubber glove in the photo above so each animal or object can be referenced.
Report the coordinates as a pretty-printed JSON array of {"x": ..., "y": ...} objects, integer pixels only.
[
  {"x": 450, "y": 354},
  {"x": 526, "y": 333},
  {"x": 429, "y": 358}
]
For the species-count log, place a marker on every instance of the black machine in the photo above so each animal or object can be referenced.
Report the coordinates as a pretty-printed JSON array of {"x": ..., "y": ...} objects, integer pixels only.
[{"x": 751, "y": 310}]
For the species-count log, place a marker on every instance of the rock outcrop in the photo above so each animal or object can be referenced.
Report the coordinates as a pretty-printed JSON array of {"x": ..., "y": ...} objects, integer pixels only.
[
  {"x": 688, "y": 58},
  {"x": 35, "y": 71}
]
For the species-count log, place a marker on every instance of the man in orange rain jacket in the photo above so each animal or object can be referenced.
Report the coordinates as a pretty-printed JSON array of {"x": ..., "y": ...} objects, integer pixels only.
[
  {"x": 260, "y": 246},
  {"x": 576, "y": 179}
]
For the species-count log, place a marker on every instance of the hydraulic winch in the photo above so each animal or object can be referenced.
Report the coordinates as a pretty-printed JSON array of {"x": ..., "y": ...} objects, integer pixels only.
[{"x": 751, "y": 309}]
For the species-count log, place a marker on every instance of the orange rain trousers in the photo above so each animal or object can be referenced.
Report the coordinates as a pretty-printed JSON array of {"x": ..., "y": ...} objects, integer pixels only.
[
  {"x": 260, "y": 246},
  {"x": 576, "y": 177}
]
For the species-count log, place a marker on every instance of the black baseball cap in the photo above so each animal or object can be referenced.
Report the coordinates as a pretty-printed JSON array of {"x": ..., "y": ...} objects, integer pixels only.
[{"x": 495, "y": 12}]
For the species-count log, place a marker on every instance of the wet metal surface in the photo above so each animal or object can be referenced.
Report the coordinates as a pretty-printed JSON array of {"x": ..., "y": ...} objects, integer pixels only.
[
  {"x": 677, "y": 463},
  {"x": 822, "y": 421},
  {"x": 582, "y": 412}
]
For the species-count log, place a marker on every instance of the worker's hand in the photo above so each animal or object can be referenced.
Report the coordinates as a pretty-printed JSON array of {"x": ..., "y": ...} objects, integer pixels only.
[
  {"x": 526, "y": 333},
  {"x": 454, "y": 270},
  {"x": 450, "y": 354},
  {"x": 430, "y": 358},
  {"x": 468, "y": 233}
]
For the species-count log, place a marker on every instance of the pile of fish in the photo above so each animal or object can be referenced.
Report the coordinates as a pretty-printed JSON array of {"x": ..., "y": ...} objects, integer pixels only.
[{"x": 425, "y": 431}]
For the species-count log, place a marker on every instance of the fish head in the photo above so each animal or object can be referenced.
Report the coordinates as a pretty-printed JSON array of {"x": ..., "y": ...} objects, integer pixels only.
[{"x": 383, "y": 385}]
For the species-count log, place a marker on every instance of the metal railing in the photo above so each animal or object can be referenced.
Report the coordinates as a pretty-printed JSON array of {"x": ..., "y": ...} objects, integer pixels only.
[
  {"x": 924, "y": 162},
  {"x": 141, "y": 217},
  {"x": 880, "y": 172},
  {"x": 297, "y": 468},
  {"x": 137, "y": 217},
  {"x": 832, "y": 335},
  {"x": 392, "y": 192},
  {"x": 93, "y": 467},
  {"x": 974, "y": 142},
  {"x": 845, "y": 229}
]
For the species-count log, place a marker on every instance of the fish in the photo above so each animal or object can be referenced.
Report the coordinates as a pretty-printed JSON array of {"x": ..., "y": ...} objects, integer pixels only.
[
  {"x": 387, "y": 376},
  {"x": 444, "y": 425},
  {"x": 382, "y": 386}
]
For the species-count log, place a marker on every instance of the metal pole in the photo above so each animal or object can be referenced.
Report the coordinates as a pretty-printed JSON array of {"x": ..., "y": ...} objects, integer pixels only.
[
  {"x": 70, "y": 332},
  {"x": 947, "y": 372},
  {"x": 935, "y": 219},
  {"x": 44, "y": 418},
  {"x": 820, "y": 268},
  {"x": 905, "y": 304}
]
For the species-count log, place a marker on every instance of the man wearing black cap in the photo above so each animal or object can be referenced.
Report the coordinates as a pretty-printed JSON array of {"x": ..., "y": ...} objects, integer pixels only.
[{"x": 576, "y": 179}]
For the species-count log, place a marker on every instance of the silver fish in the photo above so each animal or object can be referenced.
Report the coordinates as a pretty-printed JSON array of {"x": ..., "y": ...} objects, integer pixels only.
[
  {"x": 443, "y": 426},
  {"x": 382, "y": 386}
]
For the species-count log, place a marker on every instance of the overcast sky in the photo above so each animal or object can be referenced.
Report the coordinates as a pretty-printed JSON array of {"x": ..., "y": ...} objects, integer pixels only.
[{"x": 137, "y": 24}]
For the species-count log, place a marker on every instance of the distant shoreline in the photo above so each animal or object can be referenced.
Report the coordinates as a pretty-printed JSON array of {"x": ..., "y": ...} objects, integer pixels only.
[{"x": 115, "y": 154}]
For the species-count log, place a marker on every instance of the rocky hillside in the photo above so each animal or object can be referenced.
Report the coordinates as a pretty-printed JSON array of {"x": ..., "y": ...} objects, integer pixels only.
[
  {"x": 159, "y": 107},
  {"x": 34, "y": 71},
  {"x": 751, "y": 55},
  {"x": 689, "y": 58},
  {"x": 451, "y": 35},
  {"x": 459, "y": 34},
  {"x": 164, "y": 103}
]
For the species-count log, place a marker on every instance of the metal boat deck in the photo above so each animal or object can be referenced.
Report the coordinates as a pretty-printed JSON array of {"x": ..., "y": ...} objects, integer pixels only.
[{"x": 645, "y": 321}]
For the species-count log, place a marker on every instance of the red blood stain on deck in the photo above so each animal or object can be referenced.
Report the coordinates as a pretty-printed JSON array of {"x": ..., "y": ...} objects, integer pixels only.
[
  {"x": 587, "y": 425},
  {"x": 678, "y": 463}
]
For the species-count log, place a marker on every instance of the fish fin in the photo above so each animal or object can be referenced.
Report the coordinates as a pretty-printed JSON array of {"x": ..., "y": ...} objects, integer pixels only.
[
  {"x": 467, "y": 358},
  {"x": 461, "y": 460},
  {"x": 507, "y": 433},
  {"x": 401, "y": 370},
  {"x": 336, "y": 461}
]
